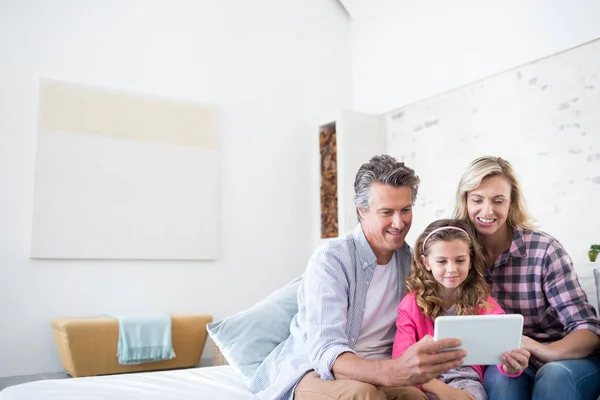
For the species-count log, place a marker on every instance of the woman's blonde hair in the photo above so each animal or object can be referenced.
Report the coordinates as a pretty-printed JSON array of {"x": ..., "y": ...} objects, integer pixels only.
[
  {"x": 473, "y": 292},
  {"x": 485, "y": 167}
]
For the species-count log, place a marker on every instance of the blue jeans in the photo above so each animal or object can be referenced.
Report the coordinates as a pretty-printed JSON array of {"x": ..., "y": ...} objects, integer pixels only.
[{"x": 566, "y": 379}]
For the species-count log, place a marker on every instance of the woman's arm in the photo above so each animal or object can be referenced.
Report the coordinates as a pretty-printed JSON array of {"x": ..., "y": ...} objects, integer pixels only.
[
  {"x": 577, "y": 344},
  {"x": 568, "y": 299}
]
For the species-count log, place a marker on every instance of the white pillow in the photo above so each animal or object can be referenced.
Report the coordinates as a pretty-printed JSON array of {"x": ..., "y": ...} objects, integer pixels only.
[{"x": 246, "y": 338}]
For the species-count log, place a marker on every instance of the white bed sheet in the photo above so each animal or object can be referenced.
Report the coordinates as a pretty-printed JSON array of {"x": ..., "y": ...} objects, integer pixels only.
[{"x": 219, "y": 383}]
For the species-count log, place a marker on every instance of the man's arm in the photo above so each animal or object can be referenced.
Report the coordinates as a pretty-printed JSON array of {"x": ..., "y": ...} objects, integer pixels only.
[
  {"x": 326, "y": 300},
  {"x": 421, "y": 362}
]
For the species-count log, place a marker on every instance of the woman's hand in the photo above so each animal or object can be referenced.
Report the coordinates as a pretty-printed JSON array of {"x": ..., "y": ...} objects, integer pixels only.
[
  {"x": 531, "y": 345},
  {"x": 515, "y": 361},
  {"x": 541, "y": 351}
]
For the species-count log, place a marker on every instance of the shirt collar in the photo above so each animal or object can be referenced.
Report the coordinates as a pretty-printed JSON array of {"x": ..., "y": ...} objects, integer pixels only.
[{"x": 518, "y": 247}]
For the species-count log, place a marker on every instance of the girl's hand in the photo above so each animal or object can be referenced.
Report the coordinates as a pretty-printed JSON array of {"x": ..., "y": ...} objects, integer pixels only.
[
  {"x": 451, "y": 393},
  {"x": 515, "y": 361}
]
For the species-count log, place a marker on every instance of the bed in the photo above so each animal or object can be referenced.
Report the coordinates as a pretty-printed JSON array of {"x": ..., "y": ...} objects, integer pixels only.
[{"x": 206, "y": 383}]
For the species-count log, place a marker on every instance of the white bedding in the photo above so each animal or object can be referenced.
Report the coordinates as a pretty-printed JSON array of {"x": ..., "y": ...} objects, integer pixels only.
[{"x": 219, "y": 383}]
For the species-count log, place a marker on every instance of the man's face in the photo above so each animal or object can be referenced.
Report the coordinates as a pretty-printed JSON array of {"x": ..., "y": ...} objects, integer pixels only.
[{"x": 388, "y": 219}]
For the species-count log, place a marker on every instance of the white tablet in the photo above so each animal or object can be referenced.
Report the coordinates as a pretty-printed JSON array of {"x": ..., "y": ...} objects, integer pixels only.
[{"x": 484, "y": 337}]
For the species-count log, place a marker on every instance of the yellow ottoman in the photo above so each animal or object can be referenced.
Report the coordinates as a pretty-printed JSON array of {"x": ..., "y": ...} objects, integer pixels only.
[{"x": 88, "y": 346}]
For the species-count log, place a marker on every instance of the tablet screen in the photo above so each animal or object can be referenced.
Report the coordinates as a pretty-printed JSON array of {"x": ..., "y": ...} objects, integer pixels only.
[{"x": 484, "y": 337}]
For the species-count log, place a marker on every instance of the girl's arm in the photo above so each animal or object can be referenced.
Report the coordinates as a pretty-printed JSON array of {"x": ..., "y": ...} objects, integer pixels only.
[
  {"x": 514, "y": 362},
  {"x": 406, "y": 326},
  {"x": 411, "y": 326},
  {"x": 494, "y": 309}
]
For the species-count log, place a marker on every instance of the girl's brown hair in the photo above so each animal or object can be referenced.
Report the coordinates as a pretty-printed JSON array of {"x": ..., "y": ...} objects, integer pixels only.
[{"x": 472, "y": 293}]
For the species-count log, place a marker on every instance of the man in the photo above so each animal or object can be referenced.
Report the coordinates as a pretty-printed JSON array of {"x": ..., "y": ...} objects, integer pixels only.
[{"x": 341, "y": 340}]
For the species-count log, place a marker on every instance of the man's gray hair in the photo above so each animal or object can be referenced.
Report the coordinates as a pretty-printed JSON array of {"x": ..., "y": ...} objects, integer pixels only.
[{"x": 382, "y": 169}]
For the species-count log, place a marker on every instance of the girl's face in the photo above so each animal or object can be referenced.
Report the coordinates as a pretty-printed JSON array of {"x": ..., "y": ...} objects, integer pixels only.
[
  {"x": 488, "y": 204},
  {"x": 449, "y": 262}
]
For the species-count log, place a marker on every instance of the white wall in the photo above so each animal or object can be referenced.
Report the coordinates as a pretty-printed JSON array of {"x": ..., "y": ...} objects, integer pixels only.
[
  {"x": 409, "y": 50},
  {"x": 359, "y": 137},
  {"x": 404, "y": 51},
  {"x": 542, "y": 117},
  {"x": 275, "y": 68}
]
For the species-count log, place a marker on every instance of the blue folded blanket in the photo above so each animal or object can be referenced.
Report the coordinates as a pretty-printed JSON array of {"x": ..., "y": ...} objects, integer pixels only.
[{"x": 144, "y": 339}]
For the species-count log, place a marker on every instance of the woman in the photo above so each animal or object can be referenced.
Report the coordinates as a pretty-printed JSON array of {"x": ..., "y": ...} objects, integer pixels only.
[{"x": 531, "y": 274}]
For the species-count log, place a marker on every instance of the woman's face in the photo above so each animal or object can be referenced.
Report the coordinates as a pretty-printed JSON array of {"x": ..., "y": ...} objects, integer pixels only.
[{"x": 488, "y": 204}]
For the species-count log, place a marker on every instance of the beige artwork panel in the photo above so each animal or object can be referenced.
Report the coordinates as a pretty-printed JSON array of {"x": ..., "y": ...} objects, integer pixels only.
[
  {"x": 124, "y": 176},
  {"x": 79, "y": 109}
]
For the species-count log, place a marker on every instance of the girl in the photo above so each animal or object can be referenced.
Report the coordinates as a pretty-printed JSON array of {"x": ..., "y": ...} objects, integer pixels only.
[
  {"x": 531, "y": 274},
  {"x": 447, "y": 279}
]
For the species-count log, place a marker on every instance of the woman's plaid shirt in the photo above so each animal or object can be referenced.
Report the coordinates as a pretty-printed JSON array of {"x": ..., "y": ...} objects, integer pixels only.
[{"x": 535, "y": 278}]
